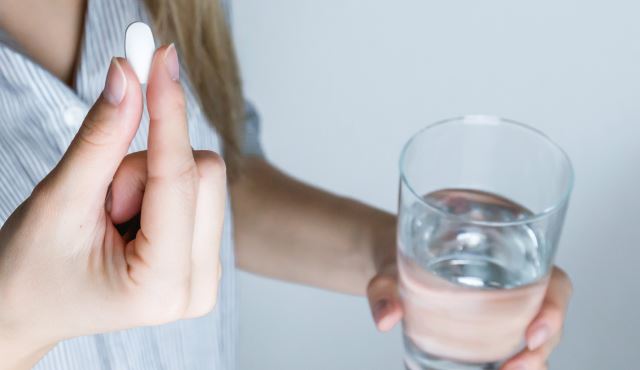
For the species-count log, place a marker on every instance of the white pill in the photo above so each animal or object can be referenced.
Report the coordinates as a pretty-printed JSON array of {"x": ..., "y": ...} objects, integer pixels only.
[{"x": 138, "y": 49}]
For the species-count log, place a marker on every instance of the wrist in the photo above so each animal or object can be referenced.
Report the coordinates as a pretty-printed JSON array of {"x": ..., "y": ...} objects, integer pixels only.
[
  {"x": 382, "y": 241},
  {"x": 372, "y": 241},
  {"x": 21, "y": 345}
]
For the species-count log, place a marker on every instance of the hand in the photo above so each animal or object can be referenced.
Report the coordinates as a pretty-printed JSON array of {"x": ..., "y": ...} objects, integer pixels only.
[
  {"x": 542, "y": 335},
  {"x": 66, "y": 271}
]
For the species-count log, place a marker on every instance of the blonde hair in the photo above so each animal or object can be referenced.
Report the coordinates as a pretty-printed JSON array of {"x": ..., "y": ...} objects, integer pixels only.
[{"x": 202, "y": 35}]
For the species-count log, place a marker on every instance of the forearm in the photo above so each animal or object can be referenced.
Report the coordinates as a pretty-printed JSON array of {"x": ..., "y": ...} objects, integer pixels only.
[
  {"x": 289, "y": 230},
  {"x": 21, "y": 342}
]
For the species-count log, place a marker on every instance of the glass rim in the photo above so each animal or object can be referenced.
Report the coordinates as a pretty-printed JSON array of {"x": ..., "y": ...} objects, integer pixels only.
[{"x": 489, "y": 119}]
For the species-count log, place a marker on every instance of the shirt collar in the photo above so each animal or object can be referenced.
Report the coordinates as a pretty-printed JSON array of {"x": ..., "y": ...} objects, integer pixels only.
[
  {"x": 9, "y": 42},
  {"x": 105, "y": 22},
  {"x": 103, "y": 38}
]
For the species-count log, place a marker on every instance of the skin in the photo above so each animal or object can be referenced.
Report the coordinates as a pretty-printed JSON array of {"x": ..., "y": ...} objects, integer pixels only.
[
  {"x": 65, "y": 270},
  {"x": 284, "y": 229}
]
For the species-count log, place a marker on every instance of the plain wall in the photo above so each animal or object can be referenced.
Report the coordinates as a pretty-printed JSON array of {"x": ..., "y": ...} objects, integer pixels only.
[{"x": 342, "y": 84}]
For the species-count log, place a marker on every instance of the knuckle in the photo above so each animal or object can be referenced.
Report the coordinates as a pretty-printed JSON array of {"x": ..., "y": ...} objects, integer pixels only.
[
  {"x": 204, "y": 298},
  {"x": 177, "y": 304},
  {"x": 94, "y": 132},
  {"x": 187, "y": 179},
  {"x": 186, "y": 170},
  {"x": 178, "y": 170},
  {"x": 173, "y": 303},
  {"x": 179, "y": 104},
  {"x": 174, "y": 109},
  {"x": 203, "y": 308},
  {"x": 182, "y": 177},
  {"x": 211, "y": 164},
  {"x": 210, "y": 305},
  {"x": 381, "y": 282},
  {"x": 161, "y": 300},
  {"x": 173, "y": 103}
]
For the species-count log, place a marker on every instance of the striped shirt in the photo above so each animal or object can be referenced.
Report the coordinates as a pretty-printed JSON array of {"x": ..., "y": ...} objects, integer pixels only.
[{"x": 39, "y": 115}]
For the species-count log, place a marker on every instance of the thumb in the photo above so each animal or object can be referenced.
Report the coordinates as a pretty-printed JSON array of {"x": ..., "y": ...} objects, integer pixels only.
[
  {"x": 384, "y": 301},
  {"x": 105, "y": 135}
]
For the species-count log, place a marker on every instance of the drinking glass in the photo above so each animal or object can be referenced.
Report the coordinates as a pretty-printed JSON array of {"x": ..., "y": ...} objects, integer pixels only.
[{"x": 481, "y": 207}]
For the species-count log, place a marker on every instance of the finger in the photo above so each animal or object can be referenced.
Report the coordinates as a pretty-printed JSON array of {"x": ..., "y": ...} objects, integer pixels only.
[
  {"x": 549, "y": 321},
  {"x": 169, "y": 149},
  {"x": 205, "y": 260},
  {"x": 169, "y": 202},
  {"x": 104, "y": 137},
  {"x": 127, "y": 191},
  {"x": 127, "y": 188},
  {"x": 533, "y": 360},
  {"x": 384, "y": 301}
]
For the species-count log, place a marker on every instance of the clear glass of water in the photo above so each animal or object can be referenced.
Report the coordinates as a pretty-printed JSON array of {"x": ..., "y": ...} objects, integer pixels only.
[{"x": 481, "y": 208}]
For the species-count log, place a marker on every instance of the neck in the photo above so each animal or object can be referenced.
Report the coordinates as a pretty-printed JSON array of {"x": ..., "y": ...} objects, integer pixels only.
[{"x": 49, "y": 31}]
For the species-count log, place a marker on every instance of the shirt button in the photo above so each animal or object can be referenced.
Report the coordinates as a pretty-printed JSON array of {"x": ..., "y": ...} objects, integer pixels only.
[{"x": 74, "y": 115}]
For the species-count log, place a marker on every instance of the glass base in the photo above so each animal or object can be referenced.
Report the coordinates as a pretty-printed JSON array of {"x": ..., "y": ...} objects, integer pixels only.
[{"x": 416, "y": 359}]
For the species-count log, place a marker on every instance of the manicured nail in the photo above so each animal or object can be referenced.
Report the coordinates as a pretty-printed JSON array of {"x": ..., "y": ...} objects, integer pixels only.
[
  {"x": 116, "y": 84},
  {"x": 171, "y": 61},
  {"x": 540, "y": 335},
  {"x": 380, "y": 309}
]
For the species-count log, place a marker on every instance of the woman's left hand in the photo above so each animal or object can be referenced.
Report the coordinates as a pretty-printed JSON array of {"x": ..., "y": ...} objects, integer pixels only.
[{"x": 542, "y": 335}]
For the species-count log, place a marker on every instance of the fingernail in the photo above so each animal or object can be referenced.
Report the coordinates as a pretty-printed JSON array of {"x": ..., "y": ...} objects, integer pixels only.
[
  {"x": 539, "y": 337},
  {"x": 171, "y": 62},
  {"x": 116, "y": 84},
  {"x": 380, "y": 309},
  {"x": 107, "y": 201}
]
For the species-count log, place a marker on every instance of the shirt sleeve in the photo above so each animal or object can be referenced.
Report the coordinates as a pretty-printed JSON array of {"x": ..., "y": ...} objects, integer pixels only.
[{"x": 251, "y": 141}]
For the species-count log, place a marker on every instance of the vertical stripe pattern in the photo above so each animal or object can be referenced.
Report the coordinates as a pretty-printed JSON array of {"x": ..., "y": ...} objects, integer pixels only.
[{"x": 39, "y": 115}]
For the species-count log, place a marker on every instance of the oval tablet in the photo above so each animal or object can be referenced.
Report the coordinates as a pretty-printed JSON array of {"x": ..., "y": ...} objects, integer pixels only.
[{"x": 139, "y": 48}]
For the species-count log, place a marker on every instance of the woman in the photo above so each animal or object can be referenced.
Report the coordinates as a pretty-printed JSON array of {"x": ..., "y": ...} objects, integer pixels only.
[{"x": 102, "y": 253}]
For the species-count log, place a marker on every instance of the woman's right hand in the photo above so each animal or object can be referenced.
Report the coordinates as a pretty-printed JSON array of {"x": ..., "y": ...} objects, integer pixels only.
[{"x": 66, "y": 271}]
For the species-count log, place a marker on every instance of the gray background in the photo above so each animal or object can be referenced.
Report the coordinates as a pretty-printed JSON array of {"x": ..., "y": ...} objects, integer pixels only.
[{"x": 341, "y": 84}]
